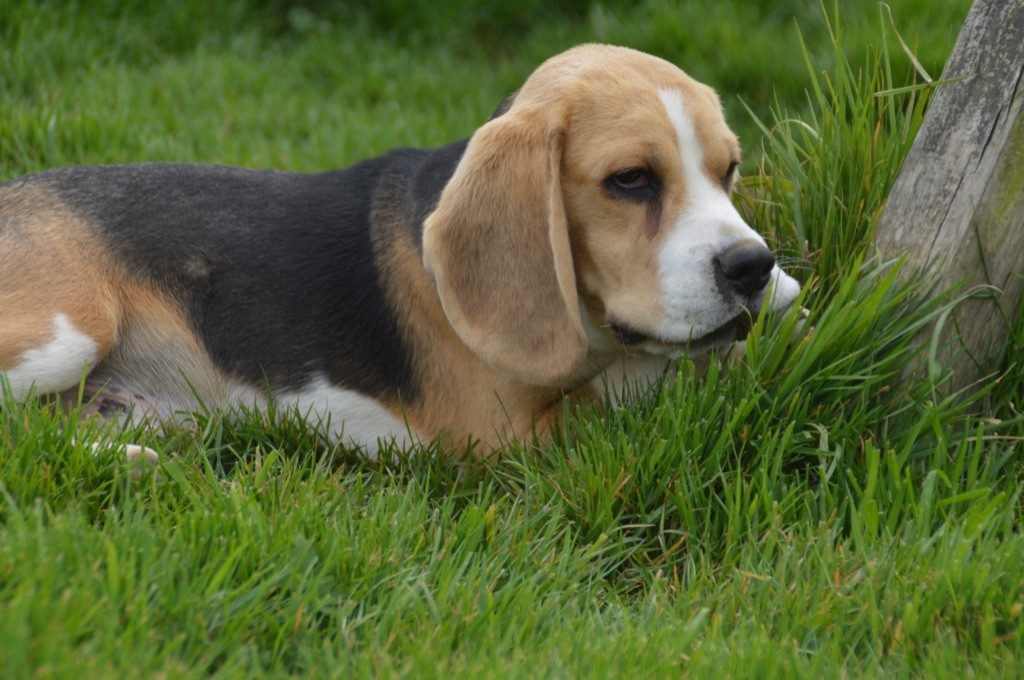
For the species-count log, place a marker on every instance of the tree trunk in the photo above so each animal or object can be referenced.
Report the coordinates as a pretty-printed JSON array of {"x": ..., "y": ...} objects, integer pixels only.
[{"x": 957, "y": 206}]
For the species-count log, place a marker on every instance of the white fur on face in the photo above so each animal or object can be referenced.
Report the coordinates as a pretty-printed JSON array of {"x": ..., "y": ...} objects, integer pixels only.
[
  {"x": 693, "y": 304},
  {"x": 58, "y": 364}
]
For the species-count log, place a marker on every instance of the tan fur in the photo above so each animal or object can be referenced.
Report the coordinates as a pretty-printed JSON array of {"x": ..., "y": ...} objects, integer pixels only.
[
  {"x": 52, "y": 263},
  {"x": 498, "y": 247},
  {"x": 461, "y": 399},
  {"x": 49, "y": 265}
]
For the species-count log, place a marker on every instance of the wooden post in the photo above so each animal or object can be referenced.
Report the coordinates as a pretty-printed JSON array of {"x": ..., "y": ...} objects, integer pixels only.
[{"x": 957, "y": 205}]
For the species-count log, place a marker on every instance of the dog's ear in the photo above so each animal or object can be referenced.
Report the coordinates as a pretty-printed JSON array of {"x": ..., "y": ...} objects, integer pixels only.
[{"x": 498, "y": 248}]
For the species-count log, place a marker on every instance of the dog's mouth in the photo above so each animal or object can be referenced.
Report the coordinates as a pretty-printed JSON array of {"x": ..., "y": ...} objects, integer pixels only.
[{"x": 729, "y": 332}]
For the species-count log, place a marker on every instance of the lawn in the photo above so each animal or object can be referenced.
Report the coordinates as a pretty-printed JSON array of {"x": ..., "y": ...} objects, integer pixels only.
[{"x": 808, "y": 512}]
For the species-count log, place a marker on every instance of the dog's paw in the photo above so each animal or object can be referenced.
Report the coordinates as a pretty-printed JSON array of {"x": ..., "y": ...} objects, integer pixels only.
[
  {"x": 141, "y": 459},
  {"x": 802, "y": 329}
]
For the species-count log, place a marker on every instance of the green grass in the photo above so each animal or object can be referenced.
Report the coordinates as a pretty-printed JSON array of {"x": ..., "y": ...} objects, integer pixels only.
[{"x": 807, "y": 512}]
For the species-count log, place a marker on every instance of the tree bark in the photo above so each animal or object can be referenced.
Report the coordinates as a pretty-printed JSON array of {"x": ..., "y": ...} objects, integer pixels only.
[{"x": 957, "y": 206}]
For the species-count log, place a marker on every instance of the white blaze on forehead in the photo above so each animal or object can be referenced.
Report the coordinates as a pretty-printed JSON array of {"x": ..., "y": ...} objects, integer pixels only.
[
  {"x": 706, "y": 199},
  {"x": 56, "y": 365},
  {"x": 708, "y": 224}
]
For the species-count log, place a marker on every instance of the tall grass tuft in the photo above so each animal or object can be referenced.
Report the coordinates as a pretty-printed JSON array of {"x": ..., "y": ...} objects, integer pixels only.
[{"x": 824, "y": 178}]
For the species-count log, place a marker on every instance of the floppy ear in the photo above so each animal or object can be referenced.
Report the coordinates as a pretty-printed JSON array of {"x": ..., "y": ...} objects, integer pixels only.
[{"x": 498, "y": 248}]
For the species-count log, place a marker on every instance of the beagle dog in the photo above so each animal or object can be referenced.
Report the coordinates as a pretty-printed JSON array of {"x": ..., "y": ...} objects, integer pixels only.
[{"x": 459, "y": 293}]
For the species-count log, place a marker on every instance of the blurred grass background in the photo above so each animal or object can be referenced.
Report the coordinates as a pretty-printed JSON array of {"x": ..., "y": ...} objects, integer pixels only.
[{"x": 316, "y": 84}]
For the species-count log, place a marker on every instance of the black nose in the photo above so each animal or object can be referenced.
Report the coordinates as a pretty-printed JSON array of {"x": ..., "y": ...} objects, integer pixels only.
[{"x": 744, "y": 267}]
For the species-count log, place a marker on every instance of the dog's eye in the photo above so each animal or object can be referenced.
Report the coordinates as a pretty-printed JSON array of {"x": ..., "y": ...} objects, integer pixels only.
[
  {"x": 638, "y": 185},
  {"x": 729, "y": 174},
  {"x": 632, "y": 179}
]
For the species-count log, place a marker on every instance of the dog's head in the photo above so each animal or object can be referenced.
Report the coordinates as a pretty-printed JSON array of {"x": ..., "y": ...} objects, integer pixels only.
[{"x": 595, "y": 211}]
